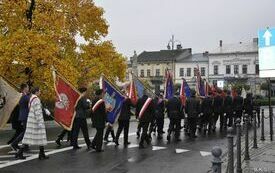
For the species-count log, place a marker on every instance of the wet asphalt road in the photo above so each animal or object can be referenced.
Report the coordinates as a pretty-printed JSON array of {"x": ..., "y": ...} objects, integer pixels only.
[{"x": 187, "y": 156}]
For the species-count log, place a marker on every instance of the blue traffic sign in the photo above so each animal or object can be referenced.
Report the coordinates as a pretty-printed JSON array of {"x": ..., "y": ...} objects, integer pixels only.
[
  {"x": 266, "y": 43},
  {"x": 266, "y": 37}
]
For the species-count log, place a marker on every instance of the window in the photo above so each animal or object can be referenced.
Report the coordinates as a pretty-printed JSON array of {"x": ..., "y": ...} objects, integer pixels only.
[
  {"x": 257, "y": 69},
  {"x": 244, "y": 69},
  {"x": 195, "y": 71},
  {"x": 157, "y": 72},
  {"x": 236, "y": 69},
  {"x": 228, "y": 69},
  {"x": 188, "y": 71},
  {"x": 216, "y": 70},
  {"x": 148, "y": 73},
  {"x": 181, "y": 72},
  {"x": 141, "y": 73},
  {"x": 202, "y": 71}
]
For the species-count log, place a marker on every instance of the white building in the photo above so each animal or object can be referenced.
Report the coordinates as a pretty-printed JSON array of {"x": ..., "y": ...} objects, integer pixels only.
[
  {"x": 185, "y": 68},
  {"x": 235, "y": 63}
]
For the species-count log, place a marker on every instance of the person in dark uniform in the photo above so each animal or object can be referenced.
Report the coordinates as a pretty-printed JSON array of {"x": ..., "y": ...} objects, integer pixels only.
[
  {"x": 153, "y": 123},
  {"x": 159, "y": 114},
  {"x": 248, "y": 106},
  {"x": 218, "y": 111},
  {"x": 174, "y": 114},
  {"x": 192, "y": 110},
  {"x": 80, "y": 122},
  {"x": 16, "y": 125},
  {"x": 62, "y": 135},
  {"x": 238, "y": 106},
  {"x": 99, "y": 119},
  {"x": 109, "y": 130},
  {"x": 23, "y": 115},
  {"x": 124, "y": 120},
  {"x": 228, "y": 109},
  {"x": 257, "y": 108},
  {"x": 144, "y": 111},
  {"x": 207, "y": 111}
]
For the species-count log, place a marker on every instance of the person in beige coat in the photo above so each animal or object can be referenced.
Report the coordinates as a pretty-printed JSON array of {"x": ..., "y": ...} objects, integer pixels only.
[{"x": 35, "y": 133}]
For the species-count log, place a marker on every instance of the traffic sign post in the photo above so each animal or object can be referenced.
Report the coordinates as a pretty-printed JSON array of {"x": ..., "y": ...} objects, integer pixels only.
[{"x": 267, "y": 63}]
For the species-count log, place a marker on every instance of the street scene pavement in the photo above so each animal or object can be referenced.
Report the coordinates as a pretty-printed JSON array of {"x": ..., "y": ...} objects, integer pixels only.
[{"x": 185, "y": 156}]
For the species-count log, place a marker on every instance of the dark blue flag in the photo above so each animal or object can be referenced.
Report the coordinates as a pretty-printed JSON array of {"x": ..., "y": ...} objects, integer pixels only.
[
  {"x": 169, "y": 87},
  {"x": 112, "y": 98},
  {"x": 187, "y": 89}
]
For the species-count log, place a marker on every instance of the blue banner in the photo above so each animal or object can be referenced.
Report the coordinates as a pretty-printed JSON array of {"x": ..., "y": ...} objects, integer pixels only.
[
  {"x": 140, "y": 88},
  {"x": 169, "y": 90},
  {"x": 187, "y": 89},
  {"x": 112, "y": 98}
]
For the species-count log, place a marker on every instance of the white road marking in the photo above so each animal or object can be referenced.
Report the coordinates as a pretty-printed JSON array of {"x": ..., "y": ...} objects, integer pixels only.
[
  {"x": 132, "y": 146},
  {"x": 179, "y": 151},
  {"x": 205, "y": 153},
  {"x": 155, "y": 148}
]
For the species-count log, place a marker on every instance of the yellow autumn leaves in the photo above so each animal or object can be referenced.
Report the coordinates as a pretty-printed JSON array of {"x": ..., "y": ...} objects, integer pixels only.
[{"x": 49, "y": 39}]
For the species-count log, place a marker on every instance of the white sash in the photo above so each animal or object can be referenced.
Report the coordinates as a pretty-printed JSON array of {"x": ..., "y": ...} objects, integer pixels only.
[
  {"x": 144, "y": 107},
  {"x": 98, "y": 103}
]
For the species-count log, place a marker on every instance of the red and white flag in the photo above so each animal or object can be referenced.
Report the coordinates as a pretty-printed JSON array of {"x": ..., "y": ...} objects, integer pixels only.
[{"x": 66, "y": 99}]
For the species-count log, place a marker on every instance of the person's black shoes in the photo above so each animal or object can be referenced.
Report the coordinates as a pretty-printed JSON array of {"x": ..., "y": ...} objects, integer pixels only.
[
  {"x": 58, "y": 143},
  {"x": 76, "y": 147},
  {"x": 43, "y": 157}
]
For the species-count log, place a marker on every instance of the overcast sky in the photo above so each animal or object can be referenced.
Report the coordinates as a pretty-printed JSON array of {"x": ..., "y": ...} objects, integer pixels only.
[{"x": 200, "y": 24}]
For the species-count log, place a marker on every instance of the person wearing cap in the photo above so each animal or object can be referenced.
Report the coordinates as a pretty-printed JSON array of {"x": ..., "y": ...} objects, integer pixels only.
[
  {"x": 159, "y": 113},
  {"x": 207, "y": 111},
  {"x": 144, "y": 112},
  {"x": 192, "y": 110},
  {"x": 80, "y": 122},
  {"x": 99, "y": 119},
  {"x": 228, "y": 109},
  {"x": 218, "y": 111},
  {"x": 238, "y": 104},
  {"x": 175, "y": 115}
]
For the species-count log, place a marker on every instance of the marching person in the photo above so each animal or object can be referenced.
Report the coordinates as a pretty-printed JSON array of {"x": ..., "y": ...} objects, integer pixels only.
[
  {"x": 218, "y": 111},
  {"x": 144, "y": 111},
  {"x": 124, "y": 120},
  {"x": 80, "y": 122},
  {"x": 35, "y": 133},
  {"x": 160, "y": 108},
  {"x": 192, "y": 110},
  {"x": 99, "y": 119},
  {"x": 238, "y": 102},
  {"x": 207, "y": 110},
  {"x": 23, "y": 115},
  {"x": 228, "y": 109},
  {"x": 174, "y": 114},
  {"x": 61, "y": 136},
  {"x": 16, "y": 124},
  {"x": 248, "y": 106}
]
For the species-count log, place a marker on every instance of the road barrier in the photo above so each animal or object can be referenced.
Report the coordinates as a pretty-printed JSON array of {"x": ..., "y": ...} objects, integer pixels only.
[
  {"x": 262, "y": 128},
  {"x": 230, "y": 137},
  {"x": 255, "y": 145},
  {"x": 239, "y": 145},
  {"x": 217, "y": 161}
]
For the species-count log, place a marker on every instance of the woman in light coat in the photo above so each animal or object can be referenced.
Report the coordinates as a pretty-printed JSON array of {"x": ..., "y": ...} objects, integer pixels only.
[{"x": 35, "y": 133}]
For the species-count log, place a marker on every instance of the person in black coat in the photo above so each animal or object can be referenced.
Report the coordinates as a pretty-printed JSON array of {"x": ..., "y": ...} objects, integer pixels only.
[
  {"x": 238, "y": 102},
  {"x": 23, "y": 115},
  {"x": 159, "y": 114},
  {"x": 99, "y": 119},
  {"x": 192, "y": 110},
  {"x": 124, "y": 120},
  {"x": 145, "y": 117},
  {"x": 218, "y": 111},
  {"x": 174, "y": 114},
  {"x": 80, "y": 122},
  {"x": 248, "y": 105},
  {"x": 207, "y": 111},
  {"x": 228, "y": 109},
  {"x": 16, "y": 125}
]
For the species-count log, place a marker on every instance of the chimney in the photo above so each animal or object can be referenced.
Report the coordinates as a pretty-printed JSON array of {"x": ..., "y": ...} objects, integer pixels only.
[
  {"x": 255, "y": 40},
  {"x": 220, "y": 43},
  {"x": 179, "y": 47}
]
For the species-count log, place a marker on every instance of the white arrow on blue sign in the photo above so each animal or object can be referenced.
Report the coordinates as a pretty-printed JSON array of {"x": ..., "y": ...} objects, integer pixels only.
[{"x": 266, "y": 45}]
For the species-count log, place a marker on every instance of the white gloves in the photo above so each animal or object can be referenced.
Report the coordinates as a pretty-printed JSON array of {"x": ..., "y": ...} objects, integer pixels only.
[{"x": 47, "y": 111}]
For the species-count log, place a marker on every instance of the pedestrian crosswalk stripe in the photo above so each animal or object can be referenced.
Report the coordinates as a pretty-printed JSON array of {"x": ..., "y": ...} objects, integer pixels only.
[
  {"x": 133, "y": 146},
  {"x": 179, "y": 151},
  {"x": 155, "y": 148},
  {"x": 205, "y": 153}
]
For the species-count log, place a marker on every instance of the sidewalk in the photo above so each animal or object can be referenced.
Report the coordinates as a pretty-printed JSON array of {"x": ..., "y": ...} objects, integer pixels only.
[{"x": 262, "y": 160}]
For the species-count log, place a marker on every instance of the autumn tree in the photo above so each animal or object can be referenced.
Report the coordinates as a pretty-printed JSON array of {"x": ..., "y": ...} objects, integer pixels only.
[{"x": 37, "y": 34}]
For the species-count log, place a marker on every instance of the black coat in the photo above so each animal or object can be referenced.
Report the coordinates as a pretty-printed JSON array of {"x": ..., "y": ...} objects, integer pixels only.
[
  {"x": 125, "y": 113},
  {"x": 248, "y": 105},
  {"x": 174, "y": 108},
  {"x": 16, "y": 124},
  {"x": 238, "y": 103},
  {"x": 207, "y": 106},
  {"x": 228, "y": 104},
  {"x": 99, "y": 116},
  {"x": 148, "y": 113},
  {"x": 159, "y": 109},
  {"x": 82, "y": 108},
  {"x": 218, "y": 104},
  {"x": 192, "y": 108}
]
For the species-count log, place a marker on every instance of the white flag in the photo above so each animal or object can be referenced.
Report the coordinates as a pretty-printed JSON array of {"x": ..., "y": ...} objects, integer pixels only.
[{"x": 9, "y": 98}]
